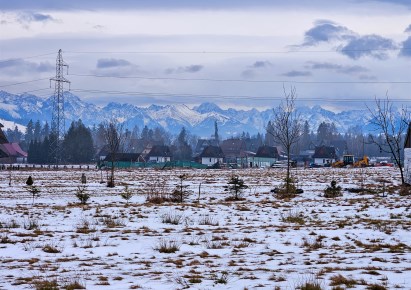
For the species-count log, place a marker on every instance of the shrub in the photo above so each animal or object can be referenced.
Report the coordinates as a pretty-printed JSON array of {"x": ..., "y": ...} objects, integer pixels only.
[
  {"x": 333, "y": 190},
  {"x": 113, "y": 221},
  {"x": 208, "y": 220},
  {"x": 172, "y": 218},
  {"x": 341, "y": 280},
  {"x": 222, "y": 278},
  {"x": 156, "y": 191},
  {"x": 293, "y": 216},
  {"x": 180, "y": 193},
  {"x": 127, "y": 194},
  {"x": 82, "y": 194},
  {"x": 376, "y": 287},
  {"x": 44, "y": 284},
  {"x": 30, "y": 224},
  {"x": 167, "y": 246},
  {"x": 29, "y": 181},
  {"x": 310, "y": 283},
  {"x": 235, "y": 186},
  {"x": 405, "y": 190},
  {"x": 286, "y": 189},
  {"x": 73, "y": 284},
  {"x": 310, "y": 286},
  {"x": 50, "y": 248}
]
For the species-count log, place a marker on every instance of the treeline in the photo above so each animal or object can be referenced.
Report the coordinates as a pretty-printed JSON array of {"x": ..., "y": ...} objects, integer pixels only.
[
  {"x": 81, "y": 144},
  {"x": 78, "y": 146}
]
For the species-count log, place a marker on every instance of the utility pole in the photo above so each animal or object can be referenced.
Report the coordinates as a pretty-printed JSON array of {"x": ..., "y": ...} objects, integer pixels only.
[{"x": 58, "y": 128}]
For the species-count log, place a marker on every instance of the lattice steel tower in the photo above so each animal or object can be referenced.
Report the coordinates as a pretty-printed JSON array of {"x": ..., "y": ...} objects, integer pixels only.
[{"x": 58, "y": 128}]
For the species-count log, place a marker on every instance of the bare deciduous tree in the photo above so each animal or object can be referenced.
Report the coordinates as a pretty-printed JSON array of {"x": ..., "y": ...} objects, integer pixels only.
[
  {"x": 286, "y": 127},
  {"x": 391, "y": 129},
  {"x": 114, "y": 135}
]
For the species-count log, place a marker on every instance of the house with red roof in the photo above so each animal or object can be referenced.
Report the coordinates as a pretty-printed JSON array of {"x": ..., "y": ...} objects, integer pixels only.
[{"x": 10, "y": 152}]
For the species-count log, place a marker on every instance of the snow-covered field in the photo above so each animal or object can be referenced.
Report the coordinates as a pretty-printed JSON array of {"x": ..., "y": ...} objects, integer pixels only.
[{"x": 356, "y": 241}]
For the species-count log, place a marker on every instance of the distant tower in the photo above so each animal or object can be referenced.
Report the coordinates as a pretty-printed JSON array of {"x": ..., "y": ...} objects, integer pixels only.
[
  {"x": 58, "y": 128},
  {"x": 216, "y": 136}
]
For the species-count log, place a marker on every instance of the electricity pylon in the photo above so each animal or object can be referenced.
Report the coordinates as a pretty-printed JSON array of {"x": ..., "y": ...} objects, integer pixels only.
[{"x": 58, "y": 128}]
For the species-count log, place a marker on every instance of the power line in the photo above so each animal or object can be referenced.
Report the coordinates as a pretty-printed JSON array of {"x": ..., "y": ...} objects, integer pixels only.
[
  {"x": 241, "y": 80},
  {"x": 26, "y": 57},
  {"x": 26, "y": 82},
  {"x": 208, "y": 96},
  {"x": 237, "y": 52},
  {"x": 217, "y": 96}
]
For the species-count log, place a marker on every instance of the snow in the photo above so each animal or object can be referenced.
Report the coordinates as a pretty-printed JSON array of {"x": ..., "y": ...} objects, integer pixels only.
[
  {"x": 178, "y": 112},
  {"x": 108, "y": 244},
  {"x": 12, "y": 125}
]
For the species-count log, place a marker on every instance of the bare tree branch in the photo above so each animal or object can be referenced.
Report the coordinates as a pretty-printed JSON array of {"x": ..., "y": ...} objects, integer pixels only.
[
  {"x": 114, "y": 135},
  {"x": 391, "y": 129},
  {"x": 286, "y": 126}
]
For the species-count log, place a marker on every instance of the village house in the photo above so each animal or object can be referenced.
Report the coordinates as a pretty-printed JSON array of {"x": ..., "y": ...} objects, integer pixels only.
[
  {"x": 233, "y": 149},
  {"x": 324, "y": 155},
  {"x": 266, "y": 156},
  {"x": 202, "y": 144},
  {"x": 211, "y": 155},
  {"x": 10, "y": 152},
  {"x": 159, "y": 154}
]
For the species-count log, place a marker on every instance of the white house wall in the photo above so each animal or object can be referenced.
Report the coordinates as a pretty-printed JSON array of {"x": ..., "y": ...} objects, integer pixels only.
[
  {"x": 407, "y": 165},
  {"x": 159, "y": 159},
  {"x": 210, "y": 160}
]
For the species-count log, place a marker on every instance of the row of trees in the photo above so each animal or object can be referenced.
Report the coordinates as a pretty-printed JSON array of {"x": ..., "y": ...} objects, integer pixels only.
[
  {"x": 286, "y": 128},
  {"x": 77, "y": 146}
]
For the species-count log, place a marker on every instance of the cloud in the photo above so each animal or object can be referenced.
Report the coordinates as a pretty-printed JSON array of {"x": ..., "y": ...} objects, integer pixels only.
[
  {"x": 408, "y": 29},
  {"x": 343, "y": 69},
  {"x": 185, "y": 69},
  {"x": 369, "y": 45},
  {"x": 28, "y": 17},
  {"x": 112, "y": 67},
  {"x": 295, "y": 73},
  {"x": 350, "y": 43},
  {"x": 406, "y": 48},
  {"x": 262, "y": 64},
  {"x": 112, "y": 62},
  {"x": 254, "y": 69},
  {"x": 20, "y": 67},
  {"x": 326, "y": 31}
]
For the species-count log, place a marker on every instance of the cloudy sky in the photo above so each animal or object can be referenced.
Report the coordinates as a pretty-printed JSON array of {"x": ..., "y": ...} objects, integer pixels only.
[{"x": 234, "y": 53}]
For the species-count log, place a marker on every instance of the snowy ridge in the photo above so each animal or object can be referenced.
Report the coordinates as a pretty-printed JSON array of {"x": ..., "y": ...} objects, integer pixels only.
[{"x": 198, "y": 120}]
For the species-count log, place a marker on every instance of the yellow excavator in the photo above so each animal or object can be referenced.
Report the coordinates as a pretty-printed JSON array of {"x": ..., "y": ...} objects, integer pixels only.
[
  {"x": 349, "y": 160},
  {"x": 364, "y": 162}
]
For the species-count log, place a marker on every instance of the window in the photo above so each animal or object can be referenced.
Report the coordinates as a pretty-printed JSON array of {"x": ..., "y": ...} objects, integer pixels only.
[{"x": 210, "y": 159}]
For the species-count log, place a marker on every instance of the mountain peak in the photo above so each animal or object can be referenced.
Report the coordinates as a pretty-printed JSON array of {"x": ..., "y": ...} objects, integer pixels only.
[
  {"x": 207, "y": 108},
  {"x": 199, "y": 120}
]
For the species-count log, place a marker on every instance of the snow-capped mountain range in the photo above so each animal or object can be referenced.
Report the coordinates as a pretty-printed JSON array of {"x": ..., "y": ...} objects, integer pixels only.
[{"x": 198, "y": 120}]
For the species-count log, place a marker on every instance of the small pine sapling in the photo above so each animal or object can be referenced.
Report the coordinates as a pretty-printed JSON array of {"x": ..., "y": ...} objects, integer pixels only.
[
  {"x": 29, "y": 181},
  {"x": 287, "y": 189},
  {"x": 127, "y": 194},
  {"x": 181, "y": 192},
  {"x": 82, "y": 194},
  {"x": 333, "y": 190},
  {"x": 235, "y": 186}
]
